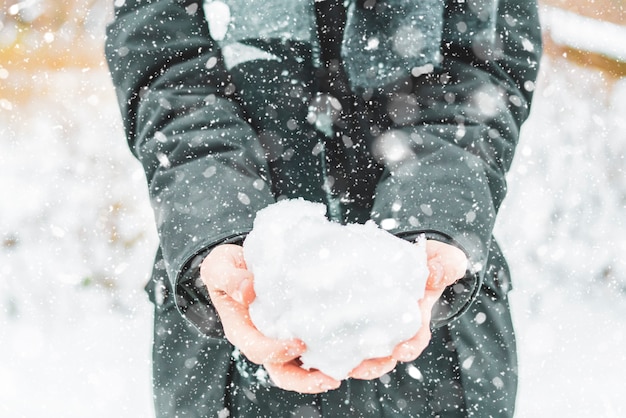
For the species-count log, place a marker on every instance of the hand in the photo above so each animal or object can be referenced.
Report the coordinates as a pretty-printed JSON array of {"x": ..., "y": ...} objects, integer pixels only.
[
  {"x": 446, "y": 265},
  {"x": 230, "y": 286}
]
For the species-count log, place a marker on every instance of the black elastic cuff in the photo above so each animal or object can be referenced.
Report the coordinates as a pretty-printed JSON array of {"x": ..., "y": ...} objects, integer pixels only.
[
  {"x": 455, "y": 300},
  {"x": 192, "y": 298}
]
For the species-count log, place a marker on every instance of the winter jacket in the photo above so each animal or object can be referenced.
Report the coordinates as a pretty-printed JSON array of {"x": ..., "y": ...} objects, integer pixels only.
[{"x": 227, "y": 119}]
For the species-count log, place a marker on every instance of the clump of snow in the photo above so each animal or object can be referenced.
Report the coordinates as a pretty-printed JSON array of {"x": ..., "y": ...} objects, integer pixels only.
[
  {"x": 349, "y": 292},
  {"x": 218, "y": 16}
]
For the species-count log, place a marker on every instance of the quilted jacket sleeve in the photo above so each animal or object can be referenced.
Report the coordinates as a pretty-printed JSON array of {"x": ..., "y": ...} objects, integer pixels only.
[
  {"x": 204, "y": 165},
  {"x": 446, "y": 162}
]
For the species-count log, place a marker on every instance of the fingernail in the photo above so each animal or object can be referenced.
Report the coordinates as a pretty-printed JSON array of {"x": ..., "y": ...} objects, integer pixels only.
[
  {"x": 238, "y": 296},
  {"x": 436, "y": 274}
]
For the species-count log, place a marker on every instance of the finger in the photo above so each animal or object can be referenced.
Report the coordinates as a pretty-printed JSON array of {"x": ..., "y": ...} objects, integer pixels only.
[
  {"x": 222, "y": 259},
  {"x": 224, "y": 270},
  {"x": 290, "y": 376},
  {"x": 242, "y": 333},
  {"x": 245, "y": 292},
  {"x": 436, "y": 274},
  {"x": 446, "y": 264},
  {"x": 373, "y": 368},
  {"x": 236, "y": 284},
  {"x": 411, "y": 349}
]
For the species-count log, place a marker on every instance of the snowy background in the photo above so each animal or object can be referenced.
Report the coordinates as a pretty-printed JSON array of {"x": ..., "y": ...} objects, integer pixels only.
[{"x": 77, "y": 238}]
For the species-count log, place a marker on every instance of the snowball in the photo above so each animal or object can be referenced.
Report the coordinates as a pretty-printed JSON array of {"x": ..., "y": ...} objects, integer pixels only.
[{"x": 349, "y": 292}]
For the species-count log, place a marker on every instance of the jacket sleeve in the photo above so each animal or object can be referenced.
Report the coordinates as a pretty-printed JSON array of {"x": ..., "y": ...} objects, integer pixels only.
[
  {"x": 445, "y": 164},
  {"x": 204, "y": 165}
]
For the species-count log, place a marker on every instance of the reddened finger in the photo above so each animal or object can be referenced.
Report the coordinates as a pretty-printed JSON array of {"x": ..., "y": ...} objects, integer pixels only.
[
  {"x": 290, "y": 376},
  {"x": 411, "y": 349},
  {"x": 230, "y": 252},
  {"x": 236, "y": 283},
  {"x": 242, "y": 333},
  {"x": 373, "y": 368},
  {"x": 224, "y": 270},
  {"x": 446, "y": 264},
  {"x": 246, "y": 290},
  {"x": 436, "y": 274}
]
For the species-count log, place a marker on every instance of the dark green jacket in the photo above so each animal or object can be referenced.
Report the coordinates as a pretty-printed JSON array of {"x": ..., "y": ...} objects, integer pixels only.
[{"x": 220, "y": 141}]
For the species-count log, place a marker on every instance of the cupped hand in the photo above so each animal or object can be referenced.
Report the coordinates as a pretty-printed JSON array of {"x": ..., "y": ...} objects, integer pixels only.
[
  {"x": 230, "y": 286},
  {"x": 446, "y": 265}
]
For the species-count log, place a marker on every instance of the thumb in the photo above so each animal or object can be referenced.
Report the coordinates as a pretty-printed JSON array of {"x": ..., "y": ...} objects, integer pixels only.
[
  {"x": 446, "y": 264},
  {"x": 224, "y": 272}
]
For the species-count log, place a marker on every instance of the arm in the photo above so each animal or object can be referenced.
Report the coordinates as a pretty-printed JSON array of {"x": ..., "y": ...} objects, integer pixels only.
[
  {"x": 462, "y": 142},
  {"x": 205, "y": 167}
]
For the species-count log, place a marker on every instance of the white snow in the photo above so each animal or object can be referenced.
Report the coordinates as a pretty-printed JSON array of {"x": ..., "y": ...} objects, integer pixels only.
[
  {"x": 349, "y": 292},
  {"x": 237, "y": 53},
  {"x": 563, "y": 229},
  {"x": 76, "y": 246},
  {"x": 218, "y": 18}
]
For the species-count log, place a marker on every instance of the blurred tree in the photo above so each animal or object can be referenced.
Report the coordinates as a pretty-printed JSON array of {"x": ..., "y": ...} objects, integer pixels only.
[
  {"x": 606, "y": 10},
  {"x": 610, "y": 11},
  {"x": 53, "y": 33},
  {"x": 37, "y": 36}
]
